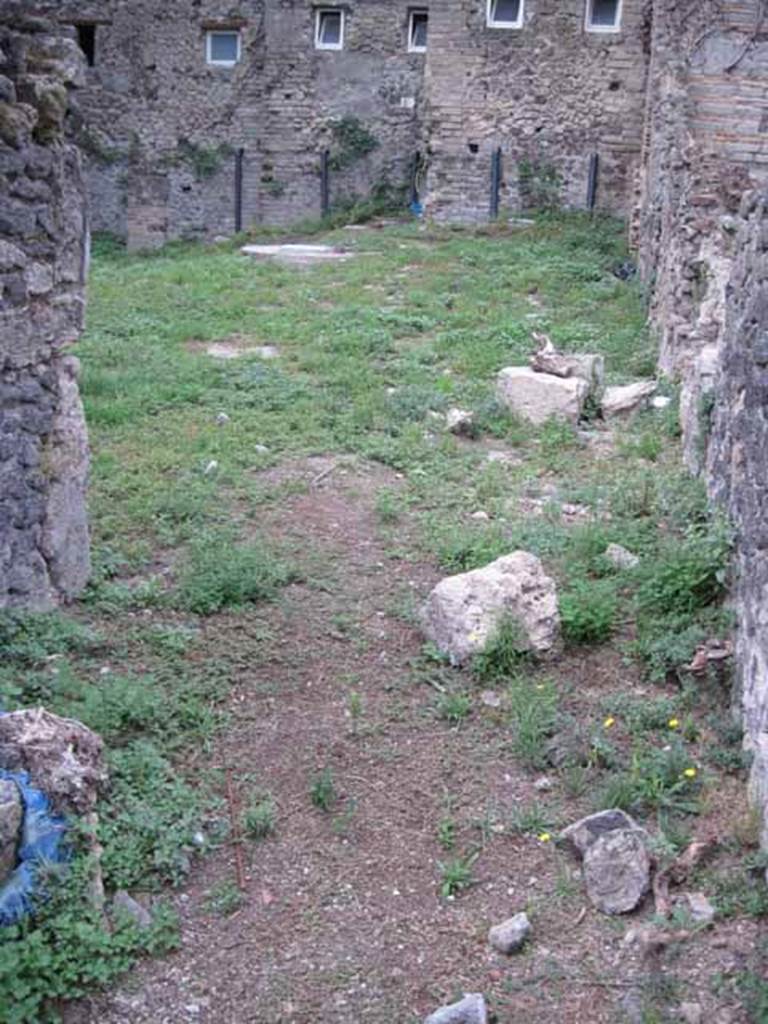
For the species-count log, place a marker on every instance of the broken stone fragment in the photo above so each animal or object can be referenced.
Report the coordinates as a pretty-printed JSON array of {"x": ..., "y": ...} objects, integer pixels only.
[
  {"x": 463, "y": 612},
  {"x": 617, "y": 871},
  {"x": 590, "y": 368},
  {"x": 626, "y": 399},
  {"x": 63, "y": 758},
  {"x": 510, "y": 936},
  {"x": 459, "y": 421},
  {"x": 621, "y": 557},
  {"x": 124, "y": 903},
  {"x": 469, "y": 1010},
  {"x": 11, "y": 815},
  {"x": 584, "y": 833},
  {"x": 698, "y": 906},
  {"x": 537, "y": 397}
]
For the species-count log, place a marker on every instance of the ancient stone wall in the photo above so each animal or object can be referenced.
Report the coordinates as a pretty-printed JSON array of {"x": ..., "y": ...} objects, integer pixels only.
[
  {"x": 737, "y": 471},
  {"x": 704, "y": 256},
  {"x": 549, "y": 95},
  {"x": 160, "y": 126},
  {"x": 43, "y": 446}
]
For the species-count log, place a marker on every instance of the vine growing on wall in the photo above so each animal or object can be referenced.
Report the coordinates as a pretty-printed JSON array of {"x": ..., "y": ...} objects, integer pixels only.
[{"x": 351, "y": 142}]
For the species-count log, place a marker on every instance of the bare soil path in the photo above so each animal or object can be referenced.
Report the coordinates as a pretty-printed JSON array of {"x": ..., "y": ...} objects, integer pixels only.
[{"x": 341, "y": 918}]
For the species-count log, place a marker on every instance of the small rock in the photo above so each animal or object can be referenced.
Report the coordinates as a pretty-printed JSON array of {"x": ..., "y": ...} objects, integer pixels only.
[
  {"x": 627, "y": 399},
  {"x": 463, "y": 611},
  {"x": 222, "y": 419},
  {"x": 621, "y": 557},
  {"x": 470, "y": 1010},
  {"x": 460, "y": 421},
  {"x": 504, "y": 458},
  {"x": 510, "y": 936},
  {"x": 122, "y": 901},
  {"x": 661, "y": 402},
  {"x": 261, "y": 449},
  {"x": 538, "y": 396},
  {"x": 586, "y": 831},
  {"x": 490, "y": 698},
  {"x": 543, "y": 785},
  {"x": 211, "y": 467},
  {"x": 480, "y": 515},
  {"x": 699, "y": 907},
  {"x": 617, "y": 871},
  {"x": 691, "y": 1013},
  {"x": 11, "y": 814}
]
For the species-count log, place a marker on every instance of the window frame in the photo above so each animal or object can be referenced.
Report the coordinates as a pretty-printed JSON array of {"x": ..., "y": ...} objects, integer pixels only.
[
  {"x": 413, "y": 13},
  {"x": 210, "y": 33},
  {"x": 590, "y": 27},
  {"x": 491, "y": 23},
  {"x": 319, "y": 12}
]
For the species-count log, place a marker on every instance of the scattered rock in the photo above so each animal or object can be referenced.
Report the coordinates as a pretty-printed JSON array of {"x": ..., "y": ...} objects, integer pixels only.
[
  {"x": 211, "y": 467},
  {"x": 661, "y": 402},
  {"x": 544, "y": 784},
  {"x": 460, "y": 421},
  {"x": 510, "y": 936},
  {"x": 504, "y": 458},
  {"x": 627, "y": 399},
  {"x": 691, "y": 1013},
  {"x": 480, "y": 515},
  {"x": 584, "y": 833},
  {"x": 538, "y": 396},
  {"x": 590, "y": 368},
  {"x": 617, "y": 871},
  {"x": 264, "y": 352},
  {"x": 11, "y": 815},
  {"x": 470, "y": 1010},
  {"x": 621, "y": 557},
  {"x": 261, "y": 449},
  {"x": 699, "y": 907},
  {"x": 63, "y": 758},
  {"x": 491, "y": 699},
  {"x": 222, "y": 419},
  {"x": 124, "y": 902},
  {"x": 463, "y": 611}
]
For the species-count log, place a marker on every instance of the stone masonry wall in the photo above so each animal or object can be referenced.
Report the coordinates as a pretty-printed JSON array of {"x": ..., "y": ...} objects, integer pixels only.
[
  {"x": 704, "y": 255},
  {"x": 44, "y": 553},
  {"x": 737, "y": 471},
  {"x": 549, "y": 93},
  {"x": 159, "y": 127}
]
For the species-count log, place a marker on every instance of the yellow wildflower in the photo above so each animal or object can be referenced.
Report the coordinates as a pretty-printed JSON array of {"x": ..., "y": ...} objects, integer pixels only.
[
  {"x": 690, "y": 773},
  {"x": 673, "y": 723},
  {"x": 609, "y": 722},
  {"x": 545, "y": 837}
]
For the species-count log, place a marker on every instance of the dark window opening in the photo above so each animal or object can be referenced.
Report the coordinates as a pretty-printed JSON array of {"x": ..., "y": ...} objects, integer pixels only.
[
  {"x": 417, "y": 34},
  {"x": 604, "y": 14},
  {"x": 86, "y": 40}
]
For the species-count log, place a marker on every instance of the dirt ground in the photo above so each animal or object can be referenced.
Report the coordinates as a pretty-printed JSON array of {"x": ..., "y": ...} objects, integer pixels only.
[{"x": 341, "y": 917}]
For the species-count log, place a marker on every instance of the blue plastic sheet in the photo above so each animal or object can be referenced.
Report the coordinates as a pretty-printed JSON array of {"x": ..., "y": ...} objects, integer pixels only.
[{"x": 42, "y": 843}]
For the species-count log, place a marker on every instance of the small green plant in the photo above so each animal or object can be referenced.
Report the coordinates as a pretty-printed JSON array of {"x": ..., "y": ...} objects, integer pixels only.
[
  {"x": 355, "y": 708},
  {"x": 388, "y": 507},
  {"x": 224, "y": 898},
  {"x": 540, "y": 184},
  {"x": 352, "y": 141},
  {"x": 446, "y": 832},
  {"x": 217, "y": 574},
  {"x": 532, "y": 819},
  {"x": 342, "y": 822},
  {"x": 456, "y": 874},
  {"x": 259, "y": 817},
  {"x": 588, "y": 610},
  {"x": 533, "y": 713},
  {"x": 503, "y": 654},
  {"x": 454, "y": 707},
  {"x": 322, "y": 791}
]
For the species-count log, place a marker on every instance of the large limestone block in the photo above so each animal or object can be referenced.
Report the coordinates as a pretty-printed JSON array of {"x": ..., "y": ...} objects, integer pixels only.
[
  {"x": 626, "y": 399},
  {"x": 463, "y": 611},
  {"x": 617, "y": 871},
  {"x": 538, "y": 396},
  {"x": 63, "y": 758}
]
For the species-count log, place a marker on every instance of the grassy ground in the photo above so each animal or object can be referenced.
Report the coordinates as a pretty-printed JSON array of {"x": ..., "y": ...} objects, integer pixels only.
[{"x": 264, "y": 531}]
